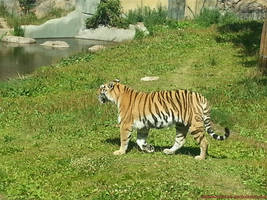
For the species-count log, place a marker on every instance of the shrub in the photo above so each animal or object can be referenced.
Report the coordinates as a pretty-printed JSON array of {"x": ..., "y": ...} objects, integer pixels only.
[
  {"x": 150, "y": 17},
  {"x": 109, "y": 13},
  {"x": 208, "y": 17},
  {"x": 18, "y": 30}
]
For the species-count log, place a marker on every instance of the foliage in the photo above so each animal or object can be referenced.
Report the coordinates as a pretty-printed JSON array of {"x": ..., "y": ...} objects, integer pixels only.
[
  {"x": 3, "y": 10},
  {"x": 56, "y": 139},
  {"x": 18, "y": 30},
  {"x": 150, "y": 17},
  {"x": 245, "y": 34},
  {"x": 209, "y": 17},
  {"x": 26, "y": 5},
  {"x": 108, "y": 13}
]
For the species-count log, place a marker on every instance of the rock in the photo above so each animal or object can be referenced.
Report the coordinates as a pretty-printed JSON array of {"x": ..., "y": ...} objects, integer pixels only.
[
  {"x": 43, "y": 7},
  {"x": 19, "y": 40},
  {"x": 56, "y": 44},
  {"x": 150, "y": 78},
  {"x": 141, "y": 27},
  {"x": 96, "y": 48},
  {"x": 107, "y": 34}
]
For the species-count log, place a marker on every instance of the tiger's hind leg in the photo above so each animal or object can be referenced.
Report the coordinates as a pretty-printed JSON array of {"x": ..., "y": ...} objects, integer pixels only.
[
  {"x": 181, "y": 132},
  {"x": 141, "y": 140},
  {"x": 197, "y": 130}
]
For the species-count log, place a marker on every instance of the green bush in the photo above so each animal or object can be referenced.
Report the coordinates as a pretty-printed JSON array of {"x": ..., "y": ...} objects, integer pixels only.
[
  {"x": 109, "y": 13},
  {"x": 18, "y": 30},
  {"x": 150, "y": 17},
  {"x": 209, "y": 17}
]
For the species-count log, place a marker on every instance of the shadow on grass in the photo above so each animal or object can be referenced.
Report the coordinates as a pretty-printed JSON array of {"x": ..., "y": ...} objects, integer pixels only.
[
  {"x": 244, "y": 34},
  {"x": 190, "y": 151}
]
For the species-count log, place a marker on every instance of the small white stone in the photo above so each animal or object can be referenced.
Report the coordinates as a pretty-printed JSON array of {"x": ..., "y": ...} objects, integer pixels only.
[
  {"x": 56, "y": 44},
  {"x": 150, "y": 78},
  {"x": 96, "y": 48}
]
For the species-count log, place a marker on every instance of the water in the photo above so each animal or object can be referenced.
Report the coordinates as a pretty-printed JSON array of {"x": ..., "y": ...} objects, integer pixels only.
[{"x": 17, "y": 60}]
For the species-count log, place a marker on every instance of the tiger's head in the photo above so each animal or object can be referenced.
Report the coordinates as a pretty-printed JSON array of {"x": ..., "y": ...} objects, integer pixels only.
[{"x": 106, "y": 92}]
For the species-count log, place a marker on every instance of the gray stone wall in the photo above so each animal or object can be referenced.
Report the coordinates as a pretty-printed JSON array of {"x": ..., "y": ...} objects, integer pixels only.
[{"x": 245, "y": 9}]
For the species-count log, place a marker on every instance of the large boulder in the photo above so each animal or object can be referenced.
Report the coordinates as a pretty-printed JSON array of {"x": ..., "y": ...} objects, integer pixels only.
[
  {"x": 107, "y": 34},
  {"x": 112, "y": 34},
  {"x": 19, "y": 40}
]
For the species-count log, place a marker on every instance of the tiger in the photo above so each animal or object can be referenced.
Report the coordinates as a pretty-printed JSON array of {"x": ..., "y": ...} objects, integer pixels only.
[{"x": 188, "y": 111}]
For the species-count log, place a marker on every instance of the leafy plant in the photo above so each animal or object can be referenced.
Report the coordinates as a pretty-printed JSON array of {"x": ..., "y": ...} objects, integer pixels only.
[
  {"x": 150, "y": 17},
  {"x": 208, "y": 17},
  {"x": 18, "y": 30},
  {"x": 109, "y": 13}
]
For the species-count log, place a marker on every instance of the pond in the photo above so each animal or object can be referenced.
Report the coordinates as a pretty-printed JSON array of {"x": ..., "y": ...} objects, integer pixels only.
[{"x": 17, "y": 60}]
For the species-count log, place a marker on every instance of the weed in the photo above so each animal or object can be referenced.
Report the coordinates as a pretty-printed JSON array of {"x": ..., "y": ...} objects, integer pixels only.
[
  {"x": 18, "y": 30},
  {"x": 150, "y": 17}
]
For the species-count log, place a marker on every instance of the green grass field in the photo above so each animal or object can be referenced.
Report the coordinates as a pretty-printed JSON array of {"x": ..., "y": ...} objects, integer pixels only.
[{"x": 56, "y": 139}]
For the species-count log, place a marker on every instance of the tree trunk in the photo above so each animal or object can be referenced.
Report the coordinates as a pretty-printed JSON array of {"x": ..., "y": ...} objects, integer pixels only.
[{"x": 263, "y": 49}]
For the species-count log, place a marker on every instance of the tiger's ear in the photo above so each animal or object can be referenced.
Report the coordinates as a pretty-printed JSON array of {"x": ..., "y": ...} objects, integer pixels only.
[{"x": 116, "y": 80}]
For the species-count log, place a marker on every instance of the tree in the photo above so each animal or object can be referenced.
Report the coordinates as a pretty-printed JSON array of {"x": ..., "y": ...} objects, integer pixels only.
[
  {"x": 263, "y": 49},
  {"x": 26, "y": 5}
]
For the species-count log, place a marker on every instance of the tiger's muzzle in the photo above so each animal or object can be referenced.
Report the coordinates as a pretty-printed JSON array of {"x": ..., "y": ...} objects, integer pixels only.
[{"x": 102, "y": 98}]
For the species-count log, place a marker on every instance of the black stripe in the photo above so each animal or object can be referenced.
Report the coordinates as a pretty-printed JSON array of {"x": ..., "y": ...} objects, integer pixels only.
[
  {"x": 177, "y": 96},
  {"x": 164, "y": 117},
  {"x": 157, "y": 110},
  {"x": 152, "y": 96},
  {"x": 139, "y": 113},
  {"x": 196, "y": 131}
]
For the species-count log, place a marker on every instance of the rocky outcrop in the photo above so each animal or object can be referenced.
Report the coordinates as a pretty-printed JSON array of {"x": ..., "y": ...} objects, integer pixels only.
[
  {"x": 255, "y": 9},
  {"x": 43, "y": 7},
  {"x": 19, "y": 40},
  {"x": 56, "y": 44}
]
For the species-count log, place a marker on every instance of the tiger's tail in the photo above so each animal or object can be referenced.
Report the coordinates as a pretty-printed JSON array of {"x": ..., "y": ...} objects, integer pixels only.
[{"x": 208, "y": 127}]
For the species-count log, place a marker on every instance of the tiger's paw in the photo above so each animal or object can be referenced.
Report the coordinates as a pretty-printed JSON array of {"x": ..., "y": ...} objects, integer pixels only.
[
  {"x": 148, "y": 148},
  {"x": 168, "y": 151},
  {"x": 118, "y": 152},
  {"x": 199, "y": 158}
]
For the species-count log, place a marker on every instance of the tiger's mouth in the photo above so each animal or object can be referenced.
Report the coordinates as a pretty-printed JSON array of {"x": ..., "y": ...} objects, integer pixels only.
[{"x": 102, "y": 98}]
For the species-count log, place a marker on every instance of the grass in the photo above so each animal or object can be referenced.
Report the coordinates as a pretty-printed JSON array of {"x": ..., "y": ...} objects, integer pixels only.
[{"x": 56, "y": 139}]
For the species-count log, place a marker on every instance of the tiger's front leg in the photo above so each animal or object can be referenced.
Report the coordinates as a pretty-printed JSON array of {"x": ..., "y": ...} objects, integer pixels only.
[{"x": 125, "y": 136}]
